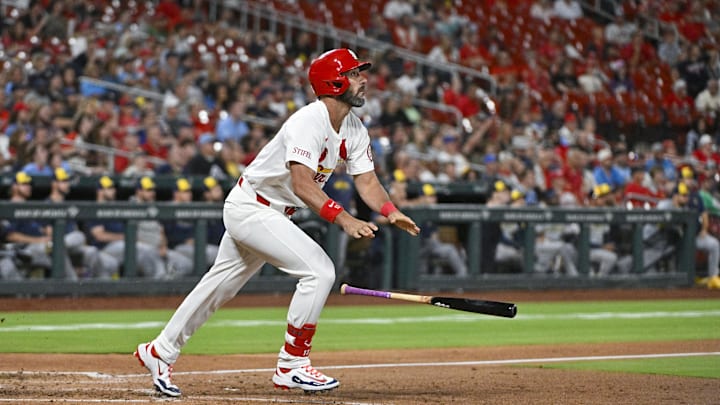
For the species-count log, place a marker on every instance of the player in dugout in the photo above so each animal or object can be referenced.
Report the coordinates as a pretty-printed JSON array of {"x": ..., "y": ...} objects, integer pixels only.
[{"x": 289, "y": 172}]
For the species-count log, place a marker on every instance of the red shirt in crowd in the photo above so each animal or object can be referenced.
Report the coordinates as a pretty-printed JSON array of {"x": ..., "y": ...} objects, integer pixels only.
[
  {"x": 638, "y": 195},
  {"x": 704, "y": 157}
]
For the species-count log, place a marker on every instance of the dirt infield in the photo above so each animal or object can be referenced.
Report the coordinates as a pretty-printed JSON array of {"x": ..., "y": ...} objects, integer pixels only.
[{"x": 492, "y": 375}]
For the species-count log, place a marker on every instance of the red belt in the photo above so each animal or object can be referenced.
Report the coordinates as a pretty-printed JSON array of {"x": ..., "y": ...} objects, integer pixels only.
[{"x": 262, "y": 200}]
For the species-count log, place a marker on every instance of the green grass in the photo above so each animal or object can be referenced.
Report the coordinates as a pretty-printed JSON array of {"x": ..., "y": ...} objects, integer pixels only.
[
  {"x": 696, "y": 366},
  {"x": 372, "y": 327},
  {"x": 260, "y": 330}
]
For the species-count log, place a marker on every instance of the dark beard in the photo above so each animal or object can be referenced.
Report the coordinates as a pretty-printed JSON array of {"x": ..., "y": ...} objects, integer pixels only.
[{"x": 351, "y": 99}]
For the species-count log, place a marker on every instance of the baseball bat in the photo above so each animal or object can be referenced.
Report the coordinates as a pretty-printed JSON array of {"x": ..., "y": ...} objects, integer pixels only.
[{"x": 496, "y": 308}]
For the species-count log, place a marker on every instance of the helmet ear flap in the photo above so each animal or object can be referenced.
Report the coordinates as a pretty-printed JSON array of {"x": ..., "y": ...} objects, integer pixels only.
[{"x": 339, "y": 84}]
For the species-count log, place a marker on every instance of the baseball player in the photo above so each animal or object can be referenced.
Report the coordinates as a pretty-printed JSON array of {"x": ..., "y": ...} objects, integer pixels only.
[
  {"x": 289, "y": 172},
  {"x": 95, "y": 263},
  {"x": 181, "y": 234},
  {"x": 34, "y": 237},
  {"x": 108, "y": 235}
]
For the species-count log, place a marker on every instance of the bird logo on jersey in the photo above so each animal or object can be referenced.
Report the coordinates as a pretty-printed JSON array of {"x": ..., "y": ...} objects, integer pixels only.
[{"x": 323, "y": 173}]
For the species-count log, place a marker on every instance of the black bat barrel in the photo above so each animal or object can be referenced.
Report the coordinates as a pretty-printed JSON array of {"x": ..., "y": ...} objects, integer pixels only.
[{"x": 504, "y": 309}]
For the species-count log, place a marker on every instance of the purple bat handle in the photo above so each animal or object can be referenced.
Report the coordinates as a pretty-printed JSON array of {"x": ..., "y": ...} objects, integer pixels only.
[{"x": 362, "y": 291}]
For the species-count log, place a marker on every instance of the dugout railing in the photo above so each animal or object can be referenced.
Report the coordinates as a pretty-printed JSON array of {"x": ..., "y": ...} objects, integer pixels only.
[{"x": 399, "y": 266}]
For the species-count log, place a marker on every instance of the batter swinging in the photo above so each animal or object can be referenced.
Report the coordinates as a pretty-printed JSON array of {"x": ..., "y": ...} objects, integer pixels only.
[{"x": 288, "y": 173}]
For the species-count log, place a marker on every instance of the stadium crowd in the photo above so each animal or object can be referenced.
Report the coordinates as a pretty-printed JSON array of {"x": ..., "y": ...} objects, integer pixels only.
[{"x": 584, "y": 107}]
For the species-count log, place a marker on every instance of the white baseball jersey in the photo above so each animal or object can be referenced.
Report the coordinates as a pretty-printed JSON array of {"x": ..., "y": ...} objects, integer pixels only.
[{"x": 307, "y": 137}]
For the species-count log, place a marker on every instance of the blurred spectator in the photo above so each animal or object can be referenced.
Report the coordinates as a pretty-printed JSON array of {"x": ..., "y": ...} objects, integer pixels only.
[
  {"x": 435, "y": 252},
  {"x": 444, "y": 51},
  {"x": 178, "y": 158},
  {"x": 669, "y": 50},
  {"x": 679, "y": 105},
  {"x": 405, "y": 33},
  {"x": 657, "y": 183},
  {"x": 109, "y": 235},
  {"x": 131, "y": 146},
  {"x": 394, "y": 9},
  {"x": 151, "y": 234},
  {"x": 705, "y": 151},
  {"x": 602, "y": 246},
  {"x": 502, "y": 240},
  {"x": 658, "y": 158},
  {"x": 233, "y": 159},
  {"x": 472, "y": 53},
  {"x": 597, "y": 44},
  {"x": 619, "y": 32},
  {"x": 708, "y": 195},
  {"x": 450, "y": 153},
  {"x": 32, "y": 239},
  {"x": 378, "y": 29},
  {"x": 139, "y": 165},
  {"x": 638, "y": 52},
  {"x": 181, "y": 234},
  {"x": 567, "y": 9},
  {"x": 448, "y": 22},
  {"x": 205, "y": 158},
  {"x": 554, "y": 248},
  {"x": 591, "y": 78},
  {"x": 393, "y": 114},
  {"x": 578, "y": 180},
  {"x": 92, "y": 263},
  {"x": 157, "y": 142},
  {"x": 409, "y": 82},
  {"x": 621, "y": 156},
  {"x": 684, "y": 198},
  {"x": 605, "y": 172},
  {"x": 411, "y": 112},
  {"x": 636, "y": 195},
  {"x": 543, "y": 10},
  {"x": 535, "y": 76},
  {"x": 232, "y": 126},
  {"x": 72, "y": 147},
  {"x": 565, "y": 79},
  {"x": 621, "y": 82},
  {"x": 528, "y": 187},
  {"x": 39, "y": 166},
  {"x": 693, "y": 71},
  {"x": 691, "y": 23},
  {"x": 569, "y": 131},
  {"x": 707, "y": 102},
  {"x": 212, "y": 192}
]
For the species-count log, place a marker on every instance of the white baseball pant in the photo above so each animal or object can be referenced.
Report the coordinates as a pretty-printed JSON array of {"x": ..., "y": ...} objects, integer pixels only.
[{"x": 254, "y": 234}]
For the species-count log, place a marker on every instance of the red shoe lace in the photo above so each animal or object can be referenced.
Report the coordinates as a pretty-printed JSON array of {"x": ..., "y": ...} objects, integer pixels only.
[{"x": 311, "y": 370}]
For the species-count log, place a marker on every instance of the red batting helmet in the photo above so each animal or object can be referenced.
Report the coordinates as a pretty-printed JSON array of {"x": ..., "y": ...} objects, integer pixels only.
[{"x": 326, "y": 71}]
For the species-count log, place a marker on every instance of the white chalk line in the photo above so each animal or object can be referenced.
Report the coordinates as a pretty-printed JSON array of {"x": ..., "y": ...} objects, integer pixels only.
[
  {"x": 216, "y": 399},
  {"x": 370, "y": 321},
  {"x": 104, "y": 376}
]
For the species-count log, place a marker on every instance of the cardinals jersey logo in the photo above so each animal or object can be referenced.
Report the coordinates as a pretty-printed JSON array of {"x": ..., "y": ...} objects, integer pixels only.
[
  {"x": 343, "y": 150},
  {"x": 321, "y": 168}
]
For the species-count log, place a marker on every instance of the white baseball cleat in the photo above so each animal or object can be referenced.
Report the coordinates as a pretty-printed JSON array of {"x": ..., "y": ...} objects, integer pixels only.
[
  {"x": 159, "y": 370},
  {"x": 306, "y": 377}
]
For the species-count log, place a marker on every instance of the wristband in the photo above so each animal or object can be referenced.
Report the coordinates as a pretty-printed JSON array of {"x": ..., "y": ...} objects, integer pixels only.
[
  {"x": 330, "y": 210},
  {"x": 388, "y": 208}
]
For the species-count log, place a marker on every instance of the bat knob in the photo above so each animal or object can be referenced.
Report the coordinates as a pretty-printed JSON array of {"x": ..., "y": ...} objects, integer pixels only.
[{"x": 342, "y": 289}]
